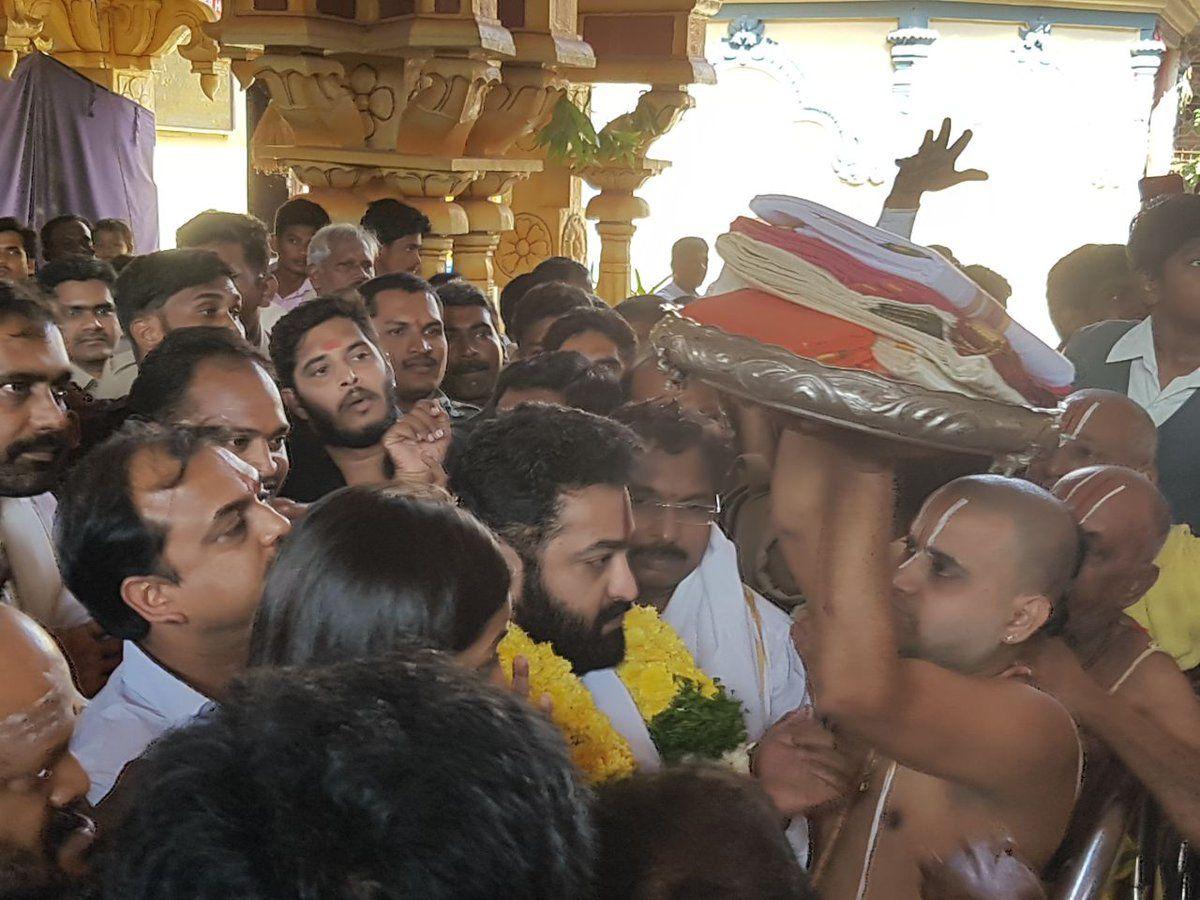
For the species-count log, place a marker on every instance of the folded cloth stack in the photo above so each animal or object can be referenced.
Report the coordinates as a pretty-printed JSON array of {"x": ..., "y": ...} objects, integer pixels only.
[{"x": 847, "y": 295}]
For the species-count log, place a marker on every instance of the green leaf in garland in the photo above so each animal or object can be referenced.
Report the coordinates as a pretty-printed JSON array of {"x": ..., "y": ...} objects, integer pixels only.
[{"x": 695, "y": 725}]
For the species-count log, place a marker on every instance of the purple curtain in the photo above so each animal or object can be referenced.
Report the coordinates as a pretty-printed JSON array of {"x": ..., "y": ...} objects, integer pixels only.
[{"x": 71, "y": 146}]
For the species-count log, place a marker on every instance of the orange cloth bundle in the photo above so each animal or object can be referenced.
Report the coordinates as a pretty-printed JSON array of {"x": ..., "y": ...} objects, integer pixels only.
[{"x": 806, "y": 332}]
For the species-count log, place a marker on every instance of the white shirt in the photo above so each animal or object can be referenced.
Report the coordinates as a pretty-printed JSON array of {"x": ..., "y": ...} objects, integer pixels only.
[
  {"x": 672, "y": 291},
  {"x": 140, "y": 703},
  {"x": 1137, "y": 347},
  {"x": 267, "y": 317},
  {"x": 26, "y": 529},
  {"x": 115, "y": 380},
  {"x": 302, "y": 294},
  {"x": 897, "y": 221}
]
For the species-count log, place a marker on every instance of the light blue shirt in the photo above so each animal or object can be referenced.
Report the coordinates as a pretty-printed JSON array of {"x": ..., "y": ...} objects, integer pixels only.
[{"x": 141, "y": 702}]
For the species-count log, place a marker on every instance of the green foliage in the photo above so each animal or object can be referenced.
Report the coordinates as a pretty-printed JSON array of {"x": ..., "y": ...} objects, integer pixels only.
[
  {"x": 570, "y": 138},
  {"x": 695, "y": 725}
]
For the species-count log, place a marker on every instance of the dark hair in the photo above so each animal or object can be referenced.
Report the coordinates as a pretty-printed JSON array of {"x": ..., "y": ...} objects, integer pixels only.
[
  {"x": 402, "y": 776},
  {"x": 462, "y": 293},
  {"x": 49, "y": 226},
  {"x": 1161, "y": 229},
  {"x": 515, "y": 468},
  {"x": 120, "y": 262},
  {"x": 120, "y": 226},
  {"x": 437, "y": 279},
  {"x": 368, "y": 570},
  {"x": 300, "y": 211},
  {"x": 389, "y": 220},
  {"x": 215, "y": 227},
  {"x": 150, "y": 281},
  {"x": 565, "y": 371},
  {"x": 601, "y": 321},
  {"x": 75, "y": 268},
  {"x": 990, "y": 280},
  {"x": 290, "y": 330},
  {"x": 696, "y": 832},
  {"x": 642, "y": 308},
  {"x": 17, "y": 301},
  {"x": 543, "y": 301},
  {"x": 165, "y": 375},
  {"x": 668, "y": 427},
  {"x": 562, "y": 268},
  {"x": 100, "y": 536},
  {"x": 29, "y": 237},
  {"x": 512, "y": 294},
  {"x": 1082, "y": 286},
  {"x": 395, "y": 281}
]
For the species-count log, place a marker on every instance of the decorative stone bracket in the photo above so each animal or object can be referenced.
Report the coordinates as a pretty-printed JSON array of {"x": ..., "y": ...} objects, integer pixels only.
[{"x": 113, "y": 42}]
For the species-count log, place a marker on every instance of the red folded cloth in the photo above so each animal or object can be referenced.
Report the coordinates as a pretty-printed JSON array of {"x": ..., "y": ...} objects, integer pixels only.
[
  {"x": 772, "y": 320},
  {"x": 971, "y": 336}
]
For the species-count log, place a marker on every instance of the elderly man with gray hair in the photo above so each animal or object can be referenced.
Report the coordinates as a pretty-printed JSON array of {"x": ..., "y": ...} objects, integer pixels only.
[{"x": 340, "y": 258}]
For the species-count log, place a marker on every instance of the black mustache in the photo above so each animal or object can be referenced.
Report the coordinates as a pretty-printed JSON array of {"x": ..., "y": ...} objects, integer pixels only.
[
  {"x": 615, "y": 611},
  {"x": 425, "y": 359},
  {"x": 355, "y": 395},
  {"x": 664, "y": 551},
  {"x": 57, "y": 442},
  {"x": 469, "y": 365}
]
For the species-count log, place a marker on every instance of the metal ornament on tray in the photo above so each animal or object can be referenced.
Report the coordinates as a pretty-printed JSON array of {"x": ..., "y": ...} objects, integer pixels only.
[{"x": 863, "y": 401}]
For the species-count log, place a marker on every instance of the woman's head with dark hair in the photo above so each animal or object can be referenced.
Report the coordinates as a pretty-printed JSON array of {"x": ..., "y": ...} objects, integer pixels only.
[
  {"x": 368, "y": 570},
  {"x": 401, "y": 776},
  {"x": 601, "y": 335},
  {"x": 1164, "y": 246}
]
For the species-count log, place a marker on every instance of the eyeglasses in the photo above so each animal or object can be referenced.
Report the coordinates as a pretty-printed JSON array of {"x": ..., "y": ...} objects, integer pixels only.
[{"x": 687, "y": 513}]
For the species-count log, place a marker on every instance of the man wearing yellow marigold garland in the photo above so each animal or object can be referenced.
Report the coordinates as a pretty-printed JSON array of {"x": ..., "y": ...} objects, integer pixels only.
[{"x": 552, "y": 482}]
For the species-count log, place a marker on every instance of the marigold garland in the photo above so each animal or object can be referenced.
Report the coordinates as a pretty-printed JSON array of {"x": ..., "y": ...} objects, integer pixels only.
[{"x": 686, "y": 711}]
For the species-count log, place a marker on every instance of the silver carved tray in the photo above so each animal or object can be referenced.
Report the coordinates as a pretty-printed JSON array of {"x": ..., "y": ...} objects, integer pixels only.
[{"x": 863, "y": 401}]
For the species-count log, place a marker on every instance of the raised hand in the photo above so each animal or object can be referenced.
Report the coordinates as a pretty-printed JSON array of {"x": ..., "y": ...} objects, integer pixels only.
[
  {"x": 931, "y": 168},
  {"x": 417, "y": 444}
]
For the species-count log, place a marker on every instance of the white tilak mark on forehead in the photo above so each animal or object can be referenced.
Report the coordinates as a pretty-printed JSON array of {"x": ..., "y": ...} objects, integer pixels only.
[
  {"x": 945, "y": 519},
  {"x": 1099, "y": 503},
  {"x": 1082, "y": 482},
  {"x": 1073, "y": 435},
  {"x": 33, "y": 723}
]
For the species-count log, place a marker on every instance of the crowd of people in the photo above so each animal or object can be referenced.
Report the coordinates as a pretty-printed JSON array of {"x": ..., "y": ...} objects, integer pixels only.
[{"x": 324, "y": 580}]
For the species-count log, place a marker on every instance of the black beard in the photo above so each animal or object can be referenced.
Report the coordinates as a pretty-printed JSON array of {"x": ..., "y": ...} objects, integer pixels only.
[
  {"x": 26, "y": 480},
  {"x": 583, "y": 645},
  {"x": 325, "y": 426}
]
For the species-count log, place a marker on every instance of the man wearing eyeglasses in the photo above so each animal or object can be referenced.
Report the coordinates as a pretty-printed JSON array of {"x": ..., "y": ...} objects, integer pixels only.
[{"x": 687, "y": 569}]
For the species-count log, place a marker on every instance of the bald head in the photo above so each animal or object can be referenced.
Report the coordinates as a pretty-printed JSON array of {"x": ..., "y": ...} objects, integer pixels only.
[
  {"x": 1124, "y": 521},
  {"x": 1044, "y": 537},
  {"x": 1099, "y": 428},
  {"x": 1120, "y": 500},
  {"x": 31, "y": 666}
]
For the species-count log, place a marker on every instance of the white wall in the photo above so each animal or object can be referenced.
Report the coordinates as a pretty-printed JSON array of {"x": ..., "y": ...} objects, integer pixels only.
[{"x": 197, "y": 170}]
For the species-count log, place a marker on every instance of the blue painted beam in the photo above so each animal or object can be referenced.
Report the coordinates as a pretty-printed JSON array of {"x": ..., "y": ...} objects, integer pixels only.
[{"x": 918, "y": 14}]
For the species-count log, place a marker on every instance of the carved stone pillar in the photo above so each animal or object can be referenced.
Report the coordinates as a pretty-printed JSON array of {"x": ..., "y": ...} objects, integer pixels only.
[
  {"x": 615, "y": 208},
  {"x": 1145, "y": 59},
  {"x": 910, "y": 48},
  {"x": 474, "y": 252}
]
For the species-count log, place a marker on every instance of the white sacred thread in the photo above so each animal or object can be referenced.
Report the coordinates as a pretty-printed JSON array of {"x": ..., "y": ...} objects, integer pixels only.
[
  {"x": 873, "y": 837},
  {"x": 945, "y": 519},
  {"x": 1099, "y": 503}
]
